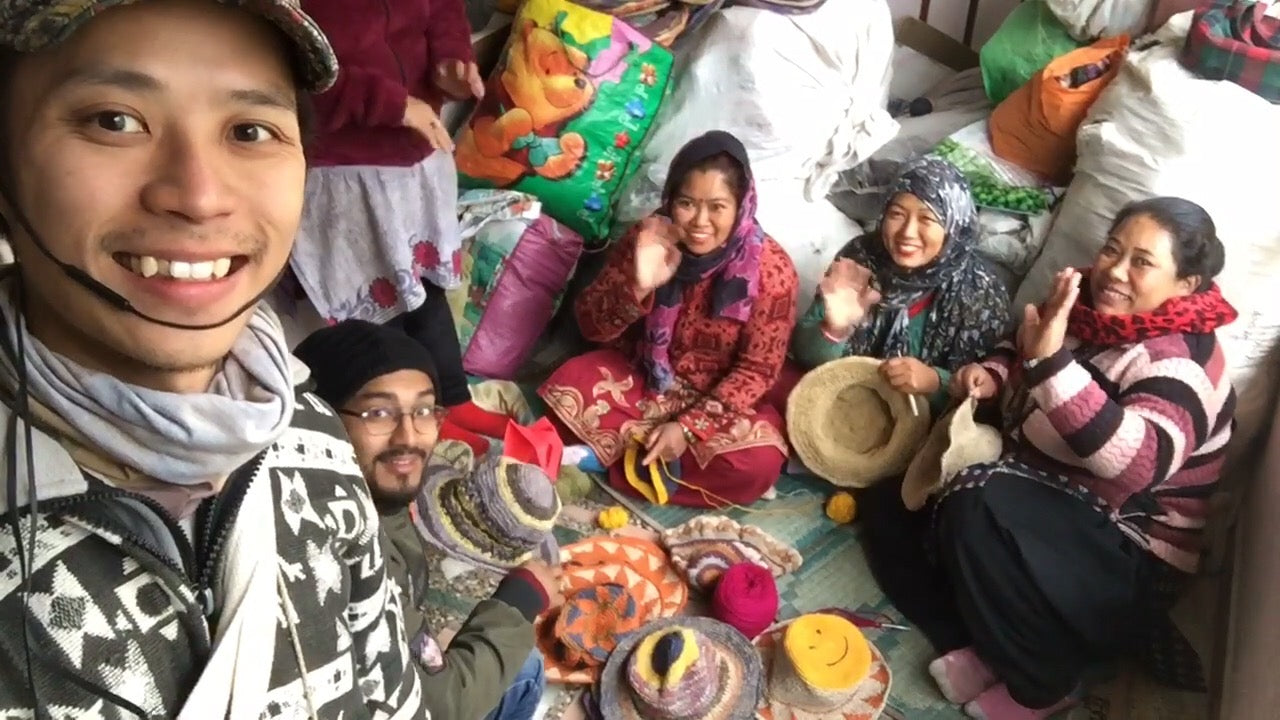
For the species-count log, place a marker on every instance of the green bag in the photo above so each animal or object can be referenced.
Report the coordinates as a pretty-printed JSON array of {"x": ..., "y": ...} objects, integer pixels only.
[
  {"x": 1026, "y": 42},
  {"x": 565, "y": 113}
]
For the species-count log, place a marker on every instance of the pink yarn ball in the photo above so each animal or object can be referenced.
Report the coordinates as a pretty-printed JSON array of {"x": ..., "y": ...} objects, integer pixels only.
[{"x": 746, "y": 598}]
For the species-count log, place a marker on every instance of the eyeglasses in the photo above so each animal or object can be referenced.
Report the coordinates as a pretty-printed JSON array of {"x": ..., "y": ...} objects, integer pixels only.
[{"x": 384, "y": 421}]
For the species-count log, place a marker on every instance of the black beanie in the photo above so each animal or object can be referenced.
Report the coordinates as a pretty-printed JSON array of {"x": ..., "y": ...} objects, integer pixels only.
[{"x": 346, "y": 356}]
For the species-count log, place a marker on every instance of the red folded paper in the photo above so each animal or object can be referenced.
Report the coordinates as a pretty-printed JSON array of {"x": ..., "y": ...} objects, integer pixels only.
[{"x": 537, "y": 444}]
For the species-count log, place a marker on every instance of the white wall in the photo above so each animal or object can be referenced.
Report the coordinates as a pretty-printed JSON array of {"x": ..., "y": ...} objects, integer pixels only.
[{"x": 949, "y": 15}]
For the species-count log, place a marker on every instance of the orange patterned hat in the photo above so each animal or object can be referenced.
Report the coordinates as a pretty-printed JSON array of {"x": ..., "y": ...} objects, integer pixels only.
[{"x": 612, "y": 585}]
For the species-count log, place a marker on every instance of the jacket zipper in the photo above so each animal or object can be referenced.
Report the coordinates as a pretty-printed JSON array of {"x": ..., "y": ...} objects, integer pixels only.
[
  {"x": 386, "y": 8},
  {"x": 213, "y": 531},
  {"x": 199, "y": 555},
  {"x": 67, "y": 504}
]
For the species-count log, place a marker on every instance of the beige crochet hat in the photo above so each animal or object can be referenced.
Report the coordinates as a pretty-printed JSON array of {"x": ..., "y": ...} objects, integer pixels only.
[
  {"x": 704, "y": 547},
  {"x": 821, "y": 667},
  {"x": 955, "y": 443},
  {"x": 849, "y": 427}
]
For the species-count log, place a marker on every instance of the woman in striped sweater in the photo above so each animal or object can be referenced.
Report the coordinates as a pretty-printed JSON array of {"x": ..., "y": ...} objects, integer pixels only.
[{"x": 1064, "y": 556}]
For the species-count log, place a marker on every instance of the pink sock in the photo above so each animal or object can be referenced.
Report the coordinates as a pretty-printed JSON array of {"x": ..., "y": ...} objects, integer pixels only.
[
  {"x": 996, "y": 704},
  {"x": 961, "y": 675}
]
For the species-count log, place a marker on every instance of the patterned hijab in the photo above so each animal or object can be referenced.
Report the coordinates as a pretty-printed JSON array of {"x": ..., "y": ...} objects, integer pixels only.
[
  {"x": 735, "y": 266},
  {"x": 969, "y": 308}
]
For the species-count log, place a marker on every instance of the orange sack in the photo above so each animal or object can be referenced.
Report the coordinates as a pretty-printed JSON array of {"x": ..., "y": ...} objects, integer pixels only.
[{"x": 1035, "y": 127}]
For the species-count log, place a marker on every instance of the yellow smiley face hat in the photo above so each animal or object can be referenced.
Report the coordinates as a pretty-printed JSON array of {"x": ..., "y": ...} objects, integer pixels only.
[{"x": 821, "y": 667}]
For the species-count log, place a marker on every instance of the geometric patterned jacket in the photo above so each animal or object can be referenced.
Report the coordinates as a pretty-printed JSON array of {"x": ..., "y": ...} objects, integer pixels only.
[{"x": 120, "y": 612}]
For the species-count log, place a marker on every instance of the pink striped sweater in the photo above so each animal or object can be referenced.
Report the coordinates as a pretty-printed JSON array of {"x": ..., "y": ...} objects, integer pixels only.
[{"x": 1141, "y": 427}]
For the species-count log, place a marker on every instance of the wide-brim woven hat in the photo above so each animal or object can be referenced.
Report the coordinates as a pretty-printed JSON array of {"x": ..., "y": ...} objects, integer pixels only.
[
  {"x": 849, "y": 427},
  {"x": 956, "y": 442},
  {"x": 683, "y": 667},
  {"x": 802, "y": 683},
  {"x": 638, "y": 566},
  {"x": 498, "y": 516}
]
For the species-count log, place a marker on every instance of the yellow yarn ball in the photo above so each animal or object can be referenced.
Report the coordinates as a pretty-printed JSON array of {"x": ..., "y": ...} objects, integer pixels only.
[
  {"x": 842, "y": 508},
  {"x": 613, "y": 518}
]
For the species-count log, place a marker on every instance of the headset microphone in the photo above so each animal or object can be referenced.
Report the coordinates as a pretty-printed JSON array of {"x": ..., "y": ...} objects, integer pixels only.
[{"x": 115, "y": 299}]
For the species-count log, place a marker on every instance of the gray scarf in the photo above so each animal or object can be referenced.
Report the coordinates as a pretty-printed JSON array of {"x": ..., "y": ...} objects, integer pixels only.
[{"x": 177, "y": 438}]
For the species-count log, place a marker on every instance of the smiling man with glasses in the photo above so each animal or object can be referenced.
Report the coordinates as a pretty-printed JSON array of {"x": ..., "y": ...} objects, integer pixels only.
[{"x": 383, "y": 384}]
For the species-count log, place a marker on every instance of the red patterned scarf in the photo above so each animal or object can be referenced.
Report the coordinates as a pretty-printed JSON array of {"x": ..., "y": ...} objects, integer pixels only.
[{"x": 1197, "y": 313}]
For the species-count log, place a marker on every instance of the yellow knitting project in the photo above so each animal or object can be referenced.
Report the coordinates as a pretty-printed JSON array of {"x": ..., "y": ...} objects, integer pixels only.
[
  {"x": 827, "y": 651},
  {"x": 842, "y": 508},
  {"x": 613, "y": 518}
]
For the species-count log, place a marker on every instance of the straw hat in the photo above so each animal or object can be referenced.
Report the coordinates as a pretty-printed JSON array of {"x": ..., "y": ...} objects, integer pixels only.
[
  {"x": 956, "y": 442},
  {"x": 498, "y": 516},
  {"x": 686, "y": 667},
  {"x": 575, "y": 638},
  {"x": 820, "y": 667},
  {"x": 849, "y": 427}
]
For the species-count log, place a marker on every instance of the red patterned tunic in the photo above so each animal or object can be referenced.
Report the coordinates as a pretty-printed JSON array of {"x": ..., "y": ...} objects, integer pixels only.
[{"x": 723, "y": 370}]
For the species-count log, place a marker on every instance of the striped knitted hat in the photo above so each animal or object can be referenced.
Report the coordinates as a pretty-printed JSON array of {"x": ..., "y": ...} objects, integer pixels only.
[
  {"x": 682, "y": 667},
  {"x": 498, "y": 517}
]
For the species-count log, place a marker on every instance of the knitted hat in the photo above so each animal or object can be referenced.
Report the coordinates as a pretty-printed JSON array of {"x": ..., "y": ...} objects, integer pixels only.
[
  {"x": 705, "y": 546},
  {"x": 955, "y": 443},
  {"x": 498, "y": 517},
  {"x": 34, "y": 25},
  {"x": 589, "y": 625},
  {"x": 820, "y": 667},
  {"x": 345, "y": 356},
  {"x": 849, "y": 427},
  {"x": 685, "y": 667},
  {"x": 639, "y": 567}
]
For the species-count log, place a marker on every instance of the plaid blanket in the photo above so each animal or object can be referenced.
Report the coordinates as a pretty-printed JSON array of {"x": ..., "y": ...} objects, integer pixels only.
[{"x": 1235, "y": 40}]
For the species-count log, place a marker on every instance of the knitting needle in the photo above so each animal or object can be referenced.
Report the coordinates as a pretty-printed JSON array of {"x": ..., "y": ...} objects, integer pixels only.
[{"x": 915, "y": 411}]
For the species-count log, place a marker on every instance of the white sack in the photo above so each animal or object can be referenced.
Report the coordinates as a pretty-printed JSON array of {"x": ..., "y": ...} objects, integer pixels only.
[
  {"x": 1089, "y": 20},
  {"x": 1159, "y": 130},
  {"x": 804, "y": 93}
]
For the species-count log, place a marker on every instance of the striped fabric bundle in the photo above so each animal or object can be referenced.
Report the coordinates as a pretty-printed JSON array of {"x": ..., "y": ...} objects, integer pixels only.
[{"x": 1236, "y": 40}]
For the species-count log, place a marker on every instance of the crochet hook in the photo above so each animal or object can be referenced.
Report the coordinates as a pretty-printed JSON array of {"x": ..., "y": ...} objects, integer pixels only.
[{"x": 862, "y": 621}]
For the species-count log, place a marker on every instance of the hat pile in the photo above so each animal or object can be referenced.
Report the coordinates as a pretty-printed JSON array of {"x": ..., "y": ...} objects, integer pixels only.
[
  {"x": 956, "y": 442},
  {"x": 703, "y": 548},
  {"x": 849, "y": 427},
  {"x": 613, "y": 585},
  {"x": 498, "y": 517},
  {"x": 820, "y": 667},
  {"x": 688, "y": 667}
]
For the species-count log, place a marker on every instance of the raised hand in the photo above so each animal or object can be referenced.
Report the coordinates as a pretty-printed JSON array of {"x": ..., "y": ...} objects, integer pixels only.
[
  {"x": 1044, "y": 331},
  {"x": 459, "y": 80},
  {"x": 847, "y": 296},
  {"x": 657, "y": 254}
]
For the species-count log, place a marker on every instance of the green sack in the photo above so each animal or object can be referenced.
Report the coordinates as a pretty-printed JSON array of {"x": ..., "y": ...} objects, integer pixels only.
[
  {"x": 1026, "y": 42},
  {"x": 565, "y": 113}
]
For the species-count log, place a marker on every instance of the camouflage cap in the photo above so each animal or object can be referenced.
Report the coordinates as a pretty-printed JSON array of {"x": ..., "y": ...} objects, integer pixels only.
[{"x": 33, "y": 25}]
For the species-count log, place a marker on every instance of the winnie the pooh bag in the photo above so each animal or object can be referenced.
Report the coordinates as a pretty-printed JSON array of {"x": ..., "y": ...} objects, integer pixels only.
[{"x": 565, "y": 113}]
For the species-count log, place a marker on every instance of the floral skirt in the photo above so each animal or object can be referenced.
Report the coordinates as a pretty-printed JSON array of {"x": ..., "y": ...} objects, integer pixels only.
[
  {"x": 370, "y": 235},
  {"x": 601, "y": 398}
]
